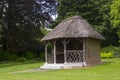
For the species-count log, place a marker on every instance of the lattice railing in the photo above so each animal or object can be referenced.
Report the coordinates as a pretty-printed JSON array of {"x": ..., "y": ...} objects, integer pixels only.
[
  {"x": 50, "y": 58},
  {"x": 74, "y": 56}
]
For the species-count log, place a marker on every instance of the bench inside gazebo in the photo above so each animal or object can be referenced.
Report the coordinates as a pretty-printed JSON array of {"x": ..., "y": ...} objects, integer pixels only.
[{"x": 73, "y": 43}]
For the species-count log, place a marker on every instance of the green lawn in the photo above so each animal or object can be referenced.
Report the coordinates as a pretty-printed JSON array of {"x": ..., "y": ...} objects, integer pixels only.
[{"x": 110, "y": 70}]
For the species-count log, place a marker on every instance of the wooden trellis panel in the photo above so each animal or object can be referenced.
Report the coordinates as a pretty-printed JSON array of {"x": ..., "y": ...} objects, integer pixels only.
[{"x": 74, "y": 56}]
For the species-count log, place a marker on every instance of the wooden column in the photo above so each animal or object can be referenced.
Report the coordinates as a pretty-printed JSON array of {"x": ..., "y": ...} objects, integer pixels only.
[
  {"x": 54, "y": 43},
  {"x": 84, "y": 52},
  {"x": 65, "y": 60},
  {"x": 46, "y": 45}
]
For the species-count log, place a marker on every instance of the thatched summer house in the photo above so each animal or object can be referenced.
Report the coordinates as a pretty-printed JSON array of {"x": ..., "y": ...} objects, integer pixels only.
[{"x": 74, "y": 43}]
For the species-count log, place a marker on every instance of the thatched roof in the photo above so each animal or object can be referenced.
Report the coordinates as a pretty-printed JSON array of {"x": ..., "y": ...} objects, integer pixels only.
[{"x": 73, "y": 27}]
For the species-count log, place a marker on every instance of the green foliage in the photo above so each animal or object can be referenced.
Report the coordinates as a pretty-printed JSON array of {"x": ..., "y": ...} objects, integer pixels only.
[
  {"x": 44, "y": 31},
  {"x": 7, "y": 56},
  {"x": 29, "y": 55},
  {"x": 22, "y": 21},
  {"x": 108, "y": 49},
  {"x": 49, "y": 47},
  {"x": 115, "y": 15},
  {"x": 21, "y": 59},
  {"x": 1, "y": 25},
  {"x": 106, "y": 55},
  {"x": 95, "y": 12},
  {"x": 42, "y": 56},
  {"x": 117, "y": 52},
  {"x": 118, "y": 32},
  {"x": 111, "y": 49}
]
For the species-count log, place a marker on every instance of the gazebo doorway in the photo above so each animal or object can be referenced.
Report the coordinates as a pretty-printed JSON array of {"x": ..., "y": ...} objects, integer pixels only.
[{"x": 59, "y": 51}]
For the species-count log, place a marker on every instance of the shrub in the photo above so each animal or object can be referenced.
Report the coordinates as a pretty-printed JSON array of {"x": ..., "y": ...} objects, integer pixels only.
[
  {"x": 21, "y": 59},
  {"x": 29, "y": 55},
  {"x": 108, "y": 49},
  {"x": 7, "y": 56},
  {"x": 117, "y": 52},
  {"x": 112, "y": 49},
  {"x": 42, "y": 56},
  {"x": 106, "y": 55}
]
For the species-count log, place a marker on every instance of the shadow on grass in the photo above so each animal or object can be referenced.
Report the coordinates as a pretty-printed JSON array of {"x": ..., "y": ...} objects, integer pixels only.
[{"x": 14, "y": 63}]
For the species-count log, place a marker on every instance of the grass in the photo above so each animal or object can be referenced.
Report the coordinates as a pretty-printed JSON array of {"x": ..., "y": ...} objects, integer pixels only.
[{"x": 110, "y": 70}]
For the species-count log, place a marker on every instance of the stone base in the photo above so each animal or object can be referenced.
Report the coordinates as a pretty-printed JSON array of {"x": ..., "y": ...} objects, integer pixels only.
[{"x": 63, "y": 66}]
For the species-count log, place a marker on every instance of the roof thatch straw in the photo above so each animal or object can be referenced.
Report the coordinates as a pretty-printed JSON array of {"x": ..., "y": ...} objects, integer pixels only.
[{"x": 73, "y": 27}]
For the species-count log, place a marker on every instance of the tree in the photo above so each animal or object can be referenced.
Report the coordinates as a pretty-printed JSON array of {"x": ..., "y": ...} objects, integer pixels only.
[
  {"x": 0, "y": 30},
  {"x": 115, "y": 15},
  {"x": 95, "y": 12},
  {"x": 91, "y": 10},
  {"x": 23, "y": 19}
]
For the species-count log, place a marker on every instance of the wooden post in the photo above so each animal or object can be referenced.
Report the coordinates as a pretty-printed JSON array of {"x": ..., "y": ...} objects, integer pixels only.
[
  {"x": 46, "y": 45},
  {"x": 54, "y": 43},
  {"x": 84, "y": 52},
  {"x": 65, "y": 60}
]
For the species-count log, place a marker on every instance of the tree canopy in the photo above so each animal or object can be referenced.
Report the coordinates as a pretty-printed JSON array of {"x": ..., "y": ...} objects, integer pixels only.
[
  {"x": 22, "y": 21},
  {"x": 115, "y": 15}
]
